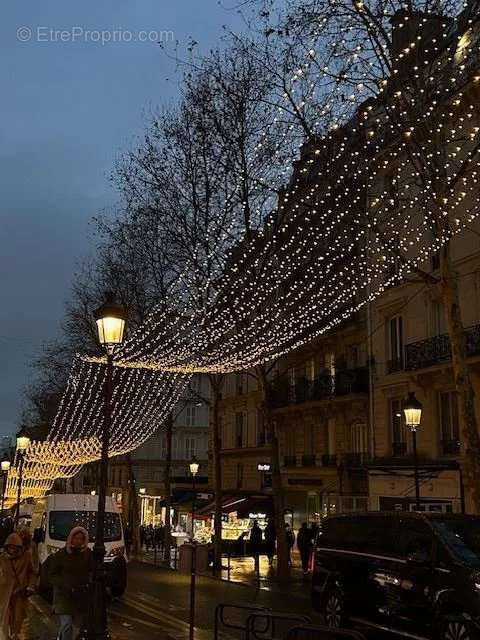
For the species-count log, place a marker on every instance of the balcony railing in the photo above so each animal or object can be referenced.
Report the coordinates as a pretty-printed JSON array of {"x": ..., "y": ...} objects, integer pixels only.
[
  {"x": 343, "y": 383},
  {"x": 394, "y": 365},
  {"x": 399, "y": 449},
  {"x": 329, "y": 460},
  {"x": 357, "y": 459},
  {"x": 308, "y": 460},
  {"x": 450, "y": 447},
  {"x": 432, "y": 351}
]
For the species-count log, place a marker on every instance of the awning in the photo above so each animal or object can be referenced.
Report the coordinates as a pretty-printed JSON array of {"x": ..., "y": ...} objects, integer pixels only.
[{"x": 246, "y": 506}]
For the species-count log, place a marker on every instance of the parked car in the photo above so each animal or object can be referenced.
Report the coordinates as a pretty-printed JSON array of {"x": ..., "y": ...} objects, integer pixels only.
[
  {"x": 414, "y": 575},
  {"x": 53, "y": 518}
]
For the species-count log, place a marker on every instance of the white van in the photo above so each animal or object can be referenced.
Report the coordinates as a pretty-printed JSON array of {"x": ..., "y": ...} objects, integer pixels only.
[{"x": 55, "y": 516}]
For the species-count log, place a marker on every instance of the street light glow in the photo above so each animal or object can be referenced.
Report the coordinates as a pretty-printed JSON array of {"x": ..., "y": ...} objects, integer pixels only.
[
  {"x": 111, "y": 319},
  {"x": 413, "y": 411}
]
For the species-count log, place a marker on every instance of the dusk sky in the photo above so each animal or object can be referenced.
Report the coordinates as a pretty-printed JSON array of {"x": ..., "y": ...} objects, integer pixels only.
[{"x": 69, "y": 106}]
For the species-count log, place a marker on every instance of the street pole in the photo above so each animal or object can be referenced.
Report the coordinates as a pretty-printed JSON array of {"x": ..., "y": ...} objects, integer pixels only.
[
  {"x": 193, "y": 565},
  {"x": 98, "y": 622},
  {"x": 415, "y": 465},
  {"x": 19, "y": 488},
  {"x": 4, "y": 490}
]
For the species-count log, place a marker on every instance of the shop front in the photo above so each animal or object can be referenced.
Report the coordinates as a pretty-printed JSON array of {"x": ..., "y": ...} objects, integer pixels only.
[
  {"x": 238, "y": 516},
  {"x": 393, "y": 488}
]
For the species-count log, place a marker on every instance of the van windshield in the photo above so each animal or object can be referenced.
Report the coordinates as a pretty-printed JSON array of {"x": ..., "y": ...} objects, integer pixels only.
[
  {"x": 462, "y": 536},
  {"x": 60, "y": 523}
]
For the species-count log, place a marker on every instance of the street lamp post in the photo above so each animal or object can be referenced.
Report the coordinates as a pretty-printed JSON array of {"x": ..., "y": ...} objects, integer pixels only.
[
  {"x": 5, "y": 469},
  {"x": 194, "y": 467},
  {"x": 23, "y": 442},
  {"x": 413, "y": 414},
  {"x": 110, "y": 319}
]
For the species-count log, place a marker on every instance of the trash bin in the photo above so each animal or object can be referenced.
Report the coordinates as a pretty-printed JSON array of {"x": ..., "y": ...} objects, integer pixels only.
[{"x": 185, "y": 558}]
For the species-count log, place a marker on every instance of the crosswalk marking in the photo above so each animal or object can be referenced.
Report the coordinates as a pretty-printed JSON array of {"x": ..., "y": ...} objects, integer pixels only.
[{"x": 163, "y": 616}]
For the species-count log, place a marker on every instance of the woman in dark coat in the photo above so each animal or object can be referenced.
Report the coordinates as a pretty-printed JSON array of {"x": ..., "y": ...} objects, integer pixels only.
[{"x": 70, "y": 574}]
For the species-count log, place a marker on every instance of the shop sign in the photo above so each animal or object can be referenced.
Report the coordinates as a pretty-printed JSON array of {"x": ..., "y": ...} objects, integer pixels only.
[{"x": 264, "y": 466}]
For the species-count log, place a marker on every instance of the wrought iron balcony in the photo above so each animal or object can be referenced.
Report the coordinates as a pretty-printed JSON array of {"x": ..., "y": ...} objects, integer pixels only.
[
  {"x": 329, "y": 460},
  {"x": 399, "y": 449},
  {"x": 357, "y": 459},
  {"x": 450, "y": 447},
  {"x": 395, "y": 365},
  {"x": 344, "y": 383},
  {"x": 308, "y": 460},
  {"x": 289, "y": 461},
  {"x": 432, "y": 351}
]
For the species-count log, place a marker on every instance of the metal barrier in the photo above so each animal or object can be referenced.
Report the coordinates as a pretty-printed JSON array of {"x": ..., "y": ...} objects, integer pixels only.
[
  {"x": 314, "y": 632},
  {"x": 222, "y": 621},
  {"x": 267, "y": 625}
]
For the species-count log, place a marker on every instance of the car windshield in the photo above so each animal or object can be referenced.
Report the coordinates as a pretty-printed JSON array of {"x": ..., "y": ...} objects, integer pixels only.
[
  {"x": 60, "y": 524},
  {"x": 462, "y": 536}
]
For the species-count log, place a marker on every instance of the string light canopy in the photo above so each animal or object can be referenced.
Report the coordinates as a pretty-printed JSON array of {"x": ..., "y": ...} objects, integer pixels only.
[{"x": 390, "y": 176}]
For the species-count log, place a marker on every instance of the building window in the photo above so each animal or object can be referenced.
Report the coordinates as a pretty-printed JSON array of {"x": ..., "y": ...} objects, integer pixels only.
[
  {"x": 261, "y": 436},
  {"x": 240, "y": 428},
  {"x": 240, "y": 384},
  {"x": 395, "y": 344},
  {"x": 190, "y": 415},
  {"x": 239, "y": 475},
  {"x": 310, "y": 369},
  {"x": 449, "y": 429},
  {"x": 438, "y": 319},
  {"x": 397, "y": 428},
  {"x": 164, "y": 448},
  {"x": 359, "y": 438},
  {"x": 189, "y": 448}
]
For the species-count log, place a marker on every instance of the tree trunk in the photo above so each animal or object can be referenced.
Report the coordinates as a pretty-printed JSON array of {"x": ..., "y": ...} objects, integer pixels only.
[
  {"x": 133, "y": 514},
  {"x": 283, "y": 568},
  {"x": 167, "y": 487},
  {"x": 463, "y": 383},
  {"x": 216, "y": 382}
]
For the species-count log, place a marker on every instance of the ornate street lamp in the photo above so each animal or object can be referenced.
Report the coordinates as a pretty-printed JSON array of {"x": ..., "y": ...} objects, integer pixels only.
[
  {"x": 5, "y": 466},
  {"x": 111, "y": 319},
  {"x": 194, "y": 467},
  {"x": 23, "y": 442},
  {"x": 412, "y": 409}
]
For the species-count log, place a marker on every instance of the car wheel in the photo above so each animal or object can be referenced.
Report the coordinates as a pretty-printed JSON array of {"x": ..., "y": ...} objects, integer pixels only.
[
  {"x": 457, "y": 629},
  {"x": 334, "y": 610}
]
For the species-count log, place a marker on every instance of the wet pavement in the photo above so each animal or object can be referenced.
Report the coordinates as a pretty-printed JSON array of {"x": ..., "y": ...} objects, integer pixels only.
[{"x": 156, "y": 605}]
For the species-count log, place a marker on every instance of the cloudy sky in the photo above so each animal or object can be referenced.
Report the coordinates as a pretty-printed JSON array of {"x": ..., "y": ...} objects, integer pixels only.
[{"x": 77, "y": 79}]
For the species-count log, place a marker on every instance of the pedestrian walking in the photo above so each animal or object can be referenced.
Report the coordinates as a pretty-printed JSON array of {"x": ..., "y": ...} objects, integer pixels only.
[
  {"x": 304, "y": 544},
  {"x": 16, "y": 585},
  {"x": 255, "y": 544},
  {"x": 270, "y": 540},
  {"x": 160, "y": 537},
  {"x": 70, "y": 574},
  {"x": 128, "y": 536},
  {"x": 290, "y": 541}
]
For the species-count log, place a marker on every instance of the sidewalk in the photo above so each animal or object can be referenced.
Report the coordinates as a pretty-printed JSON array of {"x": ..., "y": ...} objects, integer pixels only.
[
  {"x": 41, "y": 624},
  {"x": 242, "y": 571}
]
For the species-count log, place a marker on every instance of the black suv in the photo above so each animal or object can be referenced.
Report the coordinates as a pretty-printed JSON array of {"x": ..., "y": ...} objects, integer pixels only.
[{"x": 411, "y": 574}]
